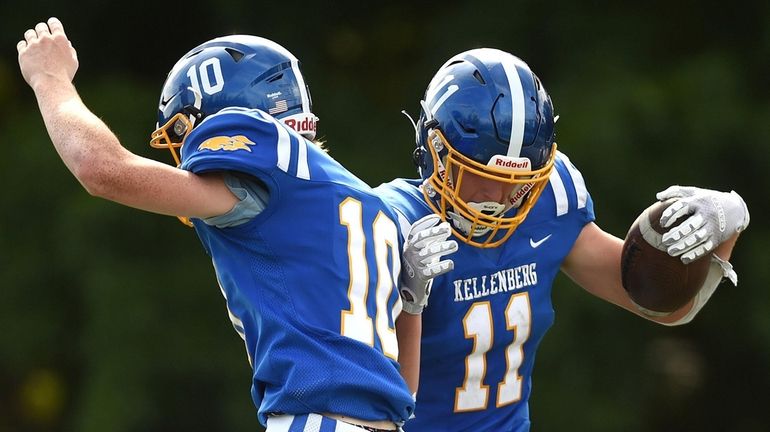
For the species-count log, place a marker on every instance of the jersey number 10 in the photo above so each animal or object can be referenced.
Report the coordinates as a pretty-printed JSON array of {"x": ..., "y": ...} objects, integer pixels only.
[{"x": 356, "y": 322}]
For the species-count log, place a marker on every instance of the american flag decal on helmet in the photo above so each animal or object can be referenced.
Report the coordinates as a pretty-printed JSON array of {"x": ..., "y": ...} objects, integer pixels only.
[{"x": 280, "y": 106}]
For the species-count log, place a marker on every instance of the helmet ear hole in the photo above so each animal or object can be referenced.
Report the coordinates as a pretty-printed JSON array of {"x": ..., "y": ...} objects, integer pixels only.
[
  {"x": 418, "y": 157},
  {"x": 180, "y": 128}
]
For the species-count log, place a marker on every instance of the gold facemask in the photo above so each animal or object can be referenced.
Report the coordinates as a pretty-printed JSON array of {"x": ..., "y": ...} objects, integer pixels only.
[
  {"x": 442, "y": 188},
  {"x": 172, "y": 135}
]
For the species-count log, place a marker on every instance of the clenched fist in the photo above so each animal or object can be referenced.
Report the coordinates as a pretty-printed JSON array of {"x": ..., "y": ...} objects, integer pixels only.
[{"x": 46, "y": 53}]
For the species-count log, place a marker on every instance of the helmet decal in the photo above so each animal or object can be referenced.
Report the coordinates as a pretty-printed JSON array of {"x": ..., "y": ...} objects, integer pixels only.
[{"x": 517, "y": 105}]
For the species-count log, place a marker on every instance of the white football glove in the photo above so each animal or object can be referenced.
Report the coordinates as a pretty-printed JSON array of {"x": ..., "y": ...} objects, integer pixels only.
[
  {"x": 426, "y": 243},
  {"x": 712, "y": 218}
]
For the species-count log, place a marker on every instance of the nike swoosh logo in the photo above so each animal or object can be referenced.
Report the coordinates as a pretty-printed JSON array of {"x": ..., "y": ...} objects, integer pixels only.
[
  {"x": 164, "y": 100},
  {"x": 535, "y": 244}
]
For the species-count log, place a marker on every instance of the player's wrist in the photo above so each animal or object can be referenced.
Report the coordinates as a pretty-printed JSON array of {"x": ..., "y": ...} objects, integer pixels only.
[
  {"x": 46, "y": 83},
  {"x": 412, "y": 308},
  {"x": 414, "y": 296}
]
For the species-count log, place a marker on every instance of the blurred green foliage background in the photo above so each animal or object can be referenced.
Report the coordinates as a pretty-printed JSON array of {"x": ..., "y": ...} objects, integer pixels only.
[{"x": 110, "y": 318}]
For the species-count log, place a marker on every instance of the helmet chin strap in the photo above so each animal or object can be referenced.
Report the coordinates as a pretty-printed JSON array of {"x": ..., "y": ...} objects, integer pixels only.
[
  {"x": 489, "y": 208},
  {"x": 518, "y": 195}
]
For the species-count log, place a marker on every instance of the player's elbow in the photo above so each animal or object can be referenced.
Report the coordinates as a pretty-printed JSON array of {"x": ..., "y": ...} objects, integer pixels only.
[
  {"x": 92, "y": 180},
  {"x": 96, "y": 175}
]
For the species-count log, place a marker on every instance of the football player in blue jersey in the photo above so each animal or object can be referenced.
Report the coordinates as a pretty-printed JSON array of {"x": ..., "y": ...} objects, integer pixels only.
[
  {"x": 489, "y": 165},
  {"x": 306, "y": 255}
]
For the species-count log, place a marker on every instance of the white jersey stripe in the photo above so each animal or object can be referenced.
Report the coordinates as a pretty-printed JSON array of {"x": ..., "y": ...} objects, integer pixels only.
[
  {"x": 577, "y": 180},
  {"x": 284, "y": 132},
  {"x": 313, "y": 423},
  {"x": 279, "y": 423},
  {"x": 517, "y": 106},
  {"x": 559, "y": 193},
  {"x": 283, "y": 147},
  {"x": 303, "y": 170},
  {"x": 347, "y": 427}
]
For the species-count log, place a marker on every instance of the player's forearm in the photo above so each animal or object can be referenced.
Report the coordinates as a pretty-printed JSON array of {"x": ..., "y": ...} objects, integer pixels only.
[
  {"x": 85, "y": 144},
  {"x": 409, "y": 331},
  {"x": 108, "y": 170}
]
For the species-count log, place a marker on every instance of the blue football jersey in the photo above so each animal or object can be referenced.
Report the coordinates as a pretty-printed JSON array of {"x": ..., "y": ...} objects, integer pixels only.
[
  {"x": 310, "y": 281},
  {"x": 485, "y": 319}
]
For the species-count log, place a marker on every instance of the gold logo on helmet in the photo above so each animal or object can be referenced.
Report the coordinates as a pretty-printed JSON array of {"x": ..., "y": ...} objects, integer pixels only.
[{"x": 226, "y": 143}]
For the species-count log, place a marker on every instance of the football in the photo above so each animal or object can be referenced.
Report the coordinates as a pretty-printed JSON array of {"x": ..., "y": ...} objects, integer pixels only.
[{"x": 657, "y": 282}]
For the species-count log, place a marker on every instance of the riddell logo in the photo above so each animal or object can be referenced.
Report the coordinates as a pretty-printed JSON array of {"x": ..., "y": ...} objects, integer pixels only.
[
  {"x": 442, "y": 176},
  {"x": 521, "y": 193},
  {"x": 306, "y": 125},
  {"x": 512, "y": 163}
]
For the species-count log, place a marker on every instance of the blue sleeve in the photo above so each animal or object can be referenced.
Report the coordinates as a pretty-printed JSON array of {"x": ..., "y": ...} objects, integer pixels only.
[
  {"x": 247, "y": 145},
  {"x": 237, "y": 139}
]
